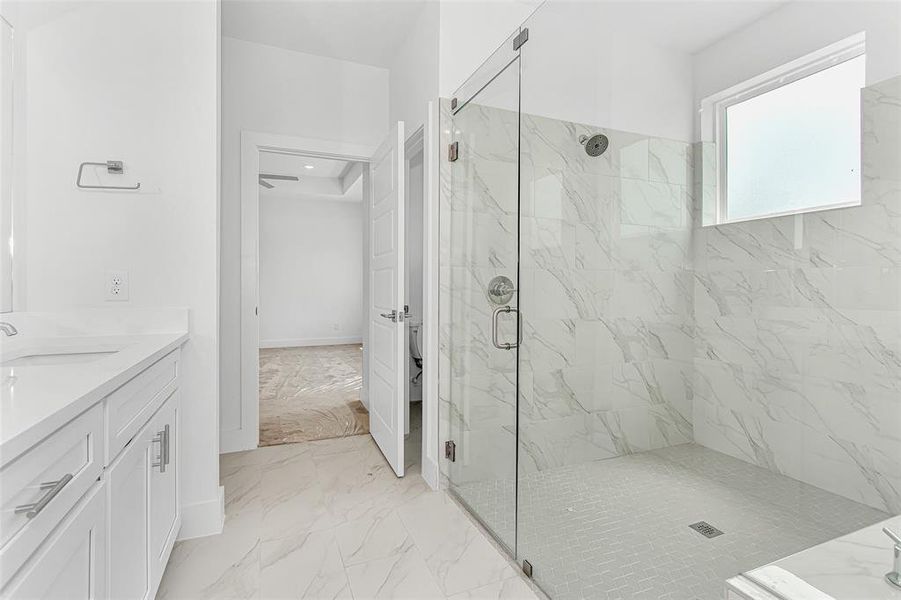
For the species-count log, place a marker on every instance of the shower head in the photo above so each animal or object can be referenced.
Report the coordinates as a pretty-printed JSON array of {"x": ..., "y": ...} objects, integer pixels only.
[{"x": 594, "y": 145}]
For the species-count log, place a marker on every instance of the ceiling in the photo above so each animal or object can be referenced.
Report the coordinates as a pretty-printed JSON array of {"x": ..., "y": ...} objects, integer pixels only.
[
  {"x": 330, "y": 178},
  {"x": 362, "y": 31}
]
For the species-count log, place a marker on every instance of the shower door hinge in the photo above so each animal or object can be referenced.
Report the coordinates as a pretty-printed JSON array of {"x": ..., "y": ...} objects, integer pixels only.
[
  {"x": 453, "y": 151},
  {"x": 453, "y": 103},
  {"x": 521, "y": 38},
  {"x": 450, "y": 450},
  {"x": 527, "y": 569}
]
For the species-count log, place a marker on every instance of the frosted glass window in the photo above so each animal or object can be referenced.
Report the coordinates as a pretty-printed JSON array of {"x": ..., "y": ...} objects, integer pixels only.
[{"x": 796, "y": 148}]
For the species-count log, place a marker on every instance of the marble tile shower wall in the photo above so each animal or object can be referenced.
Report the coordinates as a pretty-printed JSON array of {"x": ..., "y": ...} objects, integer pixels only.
[
  {"x": 606, "y": 300},
  {"x": 798, "y": 345}
]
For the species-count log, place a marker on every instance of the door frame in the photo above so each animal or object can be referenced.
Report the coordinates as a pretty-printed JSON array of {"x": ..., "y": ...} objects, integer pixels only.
[
  {"x": 431, "y": 153},
  {"x": 247, "y": 436}
]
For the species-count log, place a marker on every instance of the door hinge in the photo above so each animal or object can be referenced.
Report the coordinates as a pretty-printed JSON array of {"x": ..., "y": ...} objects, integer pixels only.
[
  {"x": 453, "y": 103},
  {"x": 527, "y": 569},
  {"x": 453, "y": 151},
  {"x": 521, "y": 38},
  {"x": 450, "y": 450}
]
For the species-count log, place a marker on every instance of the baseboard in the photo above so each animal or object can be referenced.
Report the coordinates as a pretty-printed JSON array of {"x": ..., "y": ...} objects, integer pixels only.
[
  {"x": 237, "y": 441},
  {"x": 203, "y": 518},
  {"x": 429, "y": 471},
  {"x": 299, "y": 342}
]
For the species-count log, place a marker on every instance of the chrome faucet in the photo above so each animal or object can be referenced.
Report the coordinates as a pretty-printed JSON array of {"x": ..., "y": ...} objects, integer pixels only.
[
  {"x": 894, "y": 576},
  {"x": 8, "y": 329}
]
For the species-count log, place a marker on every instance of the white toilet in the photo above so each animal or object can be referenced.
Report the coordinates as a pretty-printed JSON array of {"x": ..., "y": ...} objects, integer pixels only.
[{"x": 415, "y": 329}]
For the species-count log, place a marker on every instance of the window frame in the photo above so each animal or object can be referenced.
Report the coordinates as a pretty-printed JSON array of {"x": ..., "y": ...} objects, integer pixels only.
[{"x": 714, "y": 125}]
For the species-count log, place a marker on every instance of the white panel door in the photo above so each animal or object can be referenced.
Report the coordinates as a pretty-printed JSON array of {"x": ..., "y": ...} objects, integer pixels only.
[{"x": 386, "y": 297}]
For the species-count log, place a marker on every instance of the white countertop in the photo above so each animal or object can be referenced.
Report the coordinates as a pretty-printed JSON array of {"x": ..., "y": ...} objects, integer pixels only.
[
  {"x": 35, "y": 400},
  {"x": 850, "y": 567}
]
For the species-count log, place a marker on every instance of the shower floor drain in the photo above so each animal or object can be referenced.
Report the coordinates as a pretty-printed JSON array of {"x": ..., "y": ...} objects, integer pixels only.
[{"x": 706, "y": 529}]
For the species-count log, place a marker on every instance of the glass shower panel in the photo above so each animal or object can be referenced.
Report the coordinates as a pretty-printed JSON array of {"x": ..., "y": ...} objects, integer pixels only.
[{"x": 483, "y": 288}]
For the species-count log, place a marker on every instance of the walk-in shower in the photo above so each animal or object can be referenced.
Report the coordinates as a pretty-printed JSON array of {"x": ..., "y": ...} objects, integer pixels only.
[{"x": 658, "y": 397}]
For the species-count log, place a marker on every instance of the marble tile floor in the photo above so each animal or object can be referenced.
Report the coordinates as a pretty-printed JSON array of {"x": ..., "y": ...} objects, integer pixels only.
[
  {"x": 329, "y": 519},
  {"x": 618, "y": 528},
  {"x": 311, "y": 393}
]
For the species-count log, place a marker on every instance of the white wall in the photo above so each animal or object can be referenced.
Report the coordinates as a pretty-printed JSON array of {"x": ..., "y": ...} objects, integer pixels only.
[
  {"x": 563, "y": 77},
  {"x": 790, "y": 33},
  {"x": 137, "y": 82},
  {"x": 311, "y": 271},
  {"x": 625, "y": 78},
  {"x": 272, "y": 90},
  {"x": 470, "y": 31},
  {"x": 414, "y": 72}
]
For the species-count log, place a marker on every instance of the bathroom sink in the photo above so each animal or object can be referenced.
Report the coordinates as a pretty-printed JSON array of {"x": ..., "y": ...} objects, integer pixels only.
[
  {"x": 45, "y": 352},
  {"x": 56, "y": 358}
]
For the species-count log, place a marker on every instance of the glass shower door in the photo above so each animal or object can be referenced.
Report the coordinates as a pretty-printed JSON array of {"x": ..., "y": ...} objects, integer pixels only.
[{"x": 483, "y": 294}]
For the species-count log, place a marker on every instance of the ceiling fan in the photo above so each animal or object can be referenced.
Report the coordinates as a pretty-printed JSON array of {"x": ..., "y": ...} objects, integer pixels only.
[{"x": 269, "y": 186}]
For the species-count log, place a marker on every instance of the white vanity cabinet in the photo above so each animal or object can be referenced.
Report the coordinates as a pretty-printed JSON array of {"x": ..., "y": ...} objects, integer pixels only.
[{"x": 104, "y": 497}]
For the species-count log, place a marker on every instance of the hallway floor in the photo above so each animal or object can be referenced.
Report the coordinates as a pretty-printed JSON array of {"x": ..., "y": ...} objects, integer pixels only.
[
  {"x": 311, "y": 393},
  {"x": 329, "y": 519}
]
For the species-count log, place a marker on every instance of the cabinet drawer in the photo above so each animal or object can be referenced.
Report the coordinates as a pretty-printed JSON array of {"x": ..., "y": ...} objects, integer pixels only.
[
  {"x": 44, "y": 483},
  {"x": 71, "y": 564},
  {"x": 130, "y": 406}
]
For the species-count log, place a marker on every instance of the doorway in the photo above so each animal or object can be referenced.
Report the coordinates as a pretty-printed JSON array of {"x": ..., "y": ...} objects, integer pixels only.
[
  {"x": 387, "y": 365},
  {"x": 311, "y": 299}
]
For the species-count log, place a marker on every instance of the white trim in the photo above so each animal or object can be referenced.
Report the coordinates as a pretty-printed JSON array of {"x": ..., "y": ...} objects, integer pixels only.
[
  {"x": 713, "y": 113},
  {"x": 247, "y": 436},
  {"x": 430, "y": 442},
  {"x": 301, "y": 342},
  {"x": 203, "y": 518}
]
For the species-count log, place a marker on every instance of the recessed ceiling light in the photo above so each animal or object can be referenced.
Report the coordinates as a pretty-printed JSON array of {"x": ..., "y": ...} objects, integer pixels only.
[{"x": 308, "y": 166}]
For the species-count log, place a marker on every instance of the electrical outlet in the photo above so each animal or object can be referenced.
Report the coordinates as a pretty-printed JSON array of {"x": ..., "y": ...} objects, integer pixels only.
[{"x": 116, "y": 286}]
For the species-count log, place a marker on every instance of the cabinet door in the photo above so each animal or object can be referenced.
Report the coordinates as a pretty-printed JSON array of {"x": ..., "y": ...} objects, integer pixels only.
[
  {"x": 129, "y": 481},
  {"x": 164, "y": 502},
  {"x": 72, "y": 561}
]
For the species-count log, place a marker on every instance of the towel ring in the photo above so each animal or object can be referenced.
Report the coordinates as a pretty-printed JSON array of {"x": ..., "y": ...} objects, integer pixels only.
[{"x": 113, "y": 167}]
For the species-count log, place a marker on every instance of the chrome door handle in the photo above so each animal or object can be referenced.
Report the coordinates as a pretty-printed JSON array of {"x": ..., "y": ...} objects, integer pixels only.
[
  {"x": 54, "y": 487},
  {"x": 494, "y": 328},
  {"x": 394, "y": 316}
]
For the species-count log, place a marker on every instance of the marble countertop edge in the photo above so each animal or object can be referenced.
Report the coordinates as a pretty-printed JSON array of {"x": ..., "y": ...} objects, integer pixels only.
[{"x": 44, "y": 409}]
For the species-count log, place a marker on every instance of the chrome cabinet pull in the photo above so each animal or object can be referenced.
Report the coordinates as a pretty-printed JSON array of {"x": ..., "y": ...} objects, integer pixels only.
[
  {"x": 166, "y": 447},
  {"x": 494, "y": 328},
  {"x": 53, "y": 488},
  {"x": 162, "y": 438}
]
